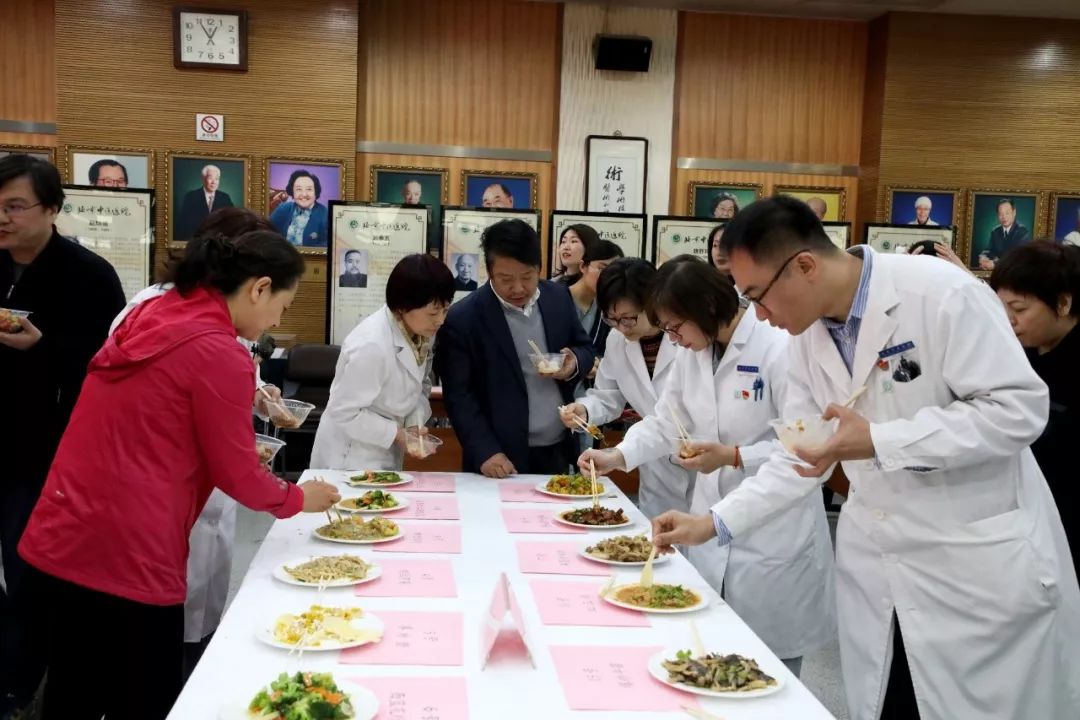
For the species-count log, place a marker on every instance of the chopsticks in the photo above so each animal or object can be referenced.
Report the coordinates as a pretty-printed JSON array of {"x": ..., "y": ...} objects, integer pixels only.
[
  {"x": 420, "y": 435},
  {"x": 595, "y": 485},
  {"x": 535, "y": 348},
  {"x": 607, "y": 587},
  {"x": 699, "y": 647},
  {"x": 699, "y": 714},
  {"x": 683, "y": 436}
]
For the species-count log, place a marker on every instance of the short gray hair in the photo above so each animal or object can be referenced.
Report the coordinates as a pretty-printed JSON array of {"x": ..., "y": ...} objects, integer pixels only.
[
  {"x": 207, "y": 168},
  {"x": 924, "y": 200}
]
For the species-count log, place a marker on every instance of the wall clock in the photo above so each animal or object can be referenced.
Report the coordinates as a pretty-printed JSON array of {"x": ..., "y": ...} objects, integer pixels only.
[{"x": 210, "y": 38}]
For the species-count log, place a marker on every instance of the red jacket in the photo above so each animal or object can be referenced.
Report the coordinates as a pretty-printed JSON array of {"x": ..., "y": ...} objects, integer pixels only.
[{"x": 163, "y": 418}]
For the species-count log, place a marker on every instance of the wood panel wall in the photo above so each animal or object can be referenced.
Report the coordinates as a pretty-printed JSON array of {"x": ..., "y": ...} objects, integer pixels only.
[
  {"x": 27, "y": 52},
  {"x": 298, "y": 98},
  {"x": 980, "y": 102},
  {"x": 481, "y": 73}
]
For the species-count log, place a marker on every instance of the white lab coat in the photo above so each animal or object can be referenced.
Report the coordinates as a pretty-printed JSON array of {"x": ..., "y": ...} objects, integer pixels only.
[
  {"x": 623, "y": 378},
  {"x": 779, "y": 576},
  {"x": 377, "y": 388},
  {"x": 952, "y": 527},
  {"x": 210, "y": 545}
]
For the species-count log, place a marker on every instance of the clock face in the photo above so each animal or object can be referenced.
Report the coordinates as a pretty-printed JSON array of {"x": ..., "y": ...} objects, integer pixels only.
[{"x": 211, "y": 38}]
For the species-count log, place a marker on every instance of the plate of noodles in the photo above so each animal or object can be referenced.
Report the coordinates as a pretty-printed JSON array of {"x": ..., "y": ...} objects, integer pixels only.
[
  {"x": 328, "y": 571},
  {"x": 357, "y": 531},
  {"x": 321, "y": 627}
]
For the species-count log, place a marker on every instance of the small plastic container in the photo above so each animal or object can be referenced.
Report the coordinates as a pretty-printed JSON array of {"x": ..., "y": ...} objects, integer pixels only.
[
  {"x": 9, "y": 322},
  {"x": 548, "y": 363},
  {"x": 421, "y": 449},
  {"x": 267, "y": 447},
  {"x": 289, "y": 414},
  {"x": 806, "y": 433}
]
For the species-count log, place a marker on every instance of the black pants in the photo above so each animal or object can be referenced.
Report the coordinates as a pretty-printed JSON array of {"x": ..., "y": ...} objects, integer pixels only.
[
  {"x": 106, "y": 655},
  {"x": 193, "y": 652},
  {"x": 899, "y": 703},
  {"x": 20, "y": 675},
  {"x": 549, "y": 460}
]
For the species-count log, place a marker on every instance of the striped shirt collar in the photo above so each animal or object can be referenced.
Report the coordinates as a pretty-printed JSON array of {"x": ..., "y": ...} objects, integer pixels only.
[{"x": 862, "y": 292}]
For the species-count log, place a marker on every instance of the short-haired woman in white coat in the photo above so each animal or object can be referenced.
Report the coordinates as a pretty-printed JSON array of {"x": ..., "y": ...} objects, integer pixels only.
[{"x": 383, "y": 376}]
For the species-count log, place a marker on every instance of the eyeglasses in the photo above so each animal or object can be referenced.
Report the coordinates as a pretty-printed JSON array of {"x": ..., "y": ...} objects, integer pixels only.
[
  {"x": 672, "y": 331},
  {"x": 628, "y": 322},
  {"x": 16, "y": 209},
  {"x": 758, "y": 300}
]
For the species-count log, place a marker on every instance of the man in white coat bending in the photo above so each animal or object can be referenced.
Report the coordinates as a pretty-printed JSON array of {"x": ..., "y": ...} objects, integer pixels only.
[{"x": 956, "y": 591}]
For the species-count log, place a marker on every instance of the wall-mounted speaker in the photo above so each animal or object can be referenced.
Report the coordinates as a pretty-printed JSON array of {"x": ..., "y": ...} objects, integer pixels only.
[{"x": 629, "y": 53}]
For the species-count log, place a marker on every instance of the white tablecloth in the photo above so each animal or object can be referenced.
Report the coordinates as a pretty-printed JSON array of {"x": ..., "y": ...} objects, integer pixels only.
[{"x": 236, "y": 663}]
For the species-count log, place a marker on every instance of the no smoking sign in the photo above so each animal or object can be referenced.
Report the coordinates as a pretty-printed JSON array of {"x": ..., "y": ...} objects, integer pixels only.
[{"x": 209, "y": 128}]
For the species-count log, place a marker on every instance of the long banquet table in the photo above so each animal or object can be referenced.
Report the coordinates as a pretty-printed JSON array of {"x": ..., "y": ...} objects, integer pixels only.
[{"x": 236, "y": 663}]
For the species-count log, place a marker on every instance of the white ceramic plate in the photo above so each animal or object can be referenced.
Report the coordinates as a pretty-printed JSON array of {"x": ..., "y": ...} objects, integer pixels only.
[
  {"x": 374, "y": 571},
  {"x": 640, "y": 563},
  {"x": 366, "y": 622},
  {"x": 405, "y": 478},
  {"x": 563, "y": 521},
  {"x": 344, "y": 541},
  {"x": 402, "y": 503},
  {"x": 542, "y": 488},
  {"x": 364, "y": 702},
  {"x": 610, "y": 597},
  {"x": 656, "y": 669}
]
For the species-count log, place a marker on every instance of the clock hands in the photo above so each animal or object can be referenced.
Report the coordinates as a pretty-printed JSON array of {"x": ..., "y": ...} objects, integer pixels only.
[{"x": 209, "y": 35}]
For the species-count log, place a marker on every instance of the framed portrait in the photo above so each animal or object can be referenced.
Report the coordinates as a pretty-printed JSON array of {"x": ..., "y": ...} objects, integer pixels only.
[
  {"x": 675, "y": 235},
  {"x": 721, "y": 202},
  {"x": 117, "y": 224},
  {"x": 616, "y": 173},
  {"x": 1065, "y": 218},
  {"x": 930, "y": 206},
  {"x": 828, "y": 203},
  {"x": 298, "y": 193},
  {"x": 626, "y": 231},
  {"x": 119, "y": 168},
  {"x": 839, "y": 233},
  {"x": 199, "y": 184},
  {"x": 898, "y": 238},
  {"x": 366, "y": 241},
  {"x": 402, "y": 184},
  {"x": 998, "y": 220},
  {"x": 462, "y": 229},
  {"x": 500, "y": 190},
  {"x": 41, "y": 152}
]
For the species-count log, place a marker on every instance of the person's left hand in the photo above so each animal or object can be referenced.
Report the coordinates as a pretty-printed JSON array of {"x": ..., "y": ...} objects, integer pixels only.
[
  {"x": 24, "y": 340},
  {"x": 985, "y": 263},
  {"x": 946, "y": 253},
  {"x": 852, "y": 441},
  {"x": 595, "y": 367},
  {"x": 708, "y": 456},
  {"x": 261, "y": 402},
  {"x": 569, "y": 366}
]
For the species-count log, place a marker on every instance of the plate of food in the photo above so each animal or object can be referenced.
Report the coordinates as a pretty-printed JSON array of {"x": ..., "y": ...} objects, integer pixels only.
[
  {"x": 594, "y": 517},
  {"x": 329, "y": 571},
  {"x": 322, "y": 628},
  {"x": 306, "y": 696},
  {"x": 373, "y": 501},
  {"x": 713, "y": 674},
  {"x": 575, "y": 486},
  {"x": 658, "y": 598},
  {"x": 357, "y": 531},
  {"x": 379, "y": 478},
  {"x": 622, "y": 550}
]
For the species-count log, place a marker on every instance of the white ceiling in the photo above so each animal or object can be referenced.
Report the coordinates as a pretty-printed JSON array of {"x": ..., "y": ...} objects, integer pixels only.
[{"x": 863, "y": 9}]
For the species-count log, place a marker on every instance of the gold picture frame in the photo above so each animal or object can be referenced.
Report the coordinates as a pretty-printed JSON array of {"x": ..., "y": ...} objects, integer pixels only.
[
  {"x": 695, "y": 189},
  {"x": 978, "y": 220},
  {"x": 171, "y": 189},
  {"x": 808, "y": 192},
  {"x": 324, "y": 198},
  {"x": 33, "y": 150},
  {"x": 510, "y": 180},
  {"x": 148, "y": 155}
]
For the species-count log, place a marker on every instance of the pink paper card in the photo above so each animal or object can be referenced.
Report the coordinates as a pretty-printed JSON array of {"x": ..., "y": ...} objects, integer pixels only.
[
  {"x": 432, "y": 507},
  {"x": 536, "y": 521},
  {"x": 555, "y": 559},
  {"x": 414, "y": 638},
  {"x": 614, "y": 678},
  {"x": 574, "y": 603},
  {"x": 510, "y": 491},
  {"x": 431, "y": 482},
  {"x": 412, "y": 578},
  {"x": 425, "y": 538},
  {"x": 419, "y": 698}
]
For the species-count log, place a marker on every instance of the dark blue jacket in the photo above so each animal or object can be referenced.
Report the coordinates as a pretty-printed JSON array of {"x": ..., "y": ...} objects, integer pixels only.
[
  {"x": 315, "y": 229},
  {"x": 483, "y": 386}
]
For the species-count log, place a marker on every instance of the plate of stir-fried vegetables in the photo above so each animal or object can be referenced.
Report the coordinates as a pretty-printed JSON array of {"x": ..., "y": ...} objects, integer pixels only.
[
  {"x": 658, "y": 598},
  {"x": 713, "y": 674},
  {"x": 379, "y": 478},
  {"x": 569, "y": 486},
  {"x": 307, "y": 696}
]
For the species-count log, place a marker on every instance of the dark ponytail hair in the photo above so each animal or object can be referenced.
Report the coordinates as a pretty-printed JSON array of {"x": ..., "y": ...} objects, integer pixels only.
[{"x": 225, "y": 263}]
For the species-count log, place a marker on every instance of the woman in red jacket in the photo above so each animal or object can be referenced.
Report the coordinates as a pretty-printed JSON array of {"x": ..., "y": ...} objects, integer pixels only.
[{"x": 164, "y": 417}]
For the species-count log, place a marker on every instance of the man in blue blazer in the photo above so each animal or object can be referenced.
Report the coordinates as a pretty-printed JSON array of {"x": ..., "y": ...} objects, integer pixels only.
[{"x": 505, "y": 413}]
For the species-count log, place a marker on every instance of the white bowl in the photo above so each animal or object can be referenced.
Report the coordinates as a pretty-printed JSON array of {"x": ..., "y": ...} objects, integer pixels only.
[{"x": 807, "y": 433}]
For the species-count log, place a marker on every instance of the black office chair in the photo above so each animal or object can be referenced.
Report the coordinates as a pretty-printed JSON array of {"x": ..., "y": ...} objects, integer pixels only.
[{"x": 311, "y": 367}]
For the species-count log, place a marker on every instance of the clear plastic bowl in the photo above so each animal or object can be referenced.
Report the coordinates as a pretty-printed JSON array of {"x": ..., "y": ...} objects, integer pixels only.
[
  {"x": 417, "y": 449},
  {"x": 8, "y": 320},
  {"x": 806, "y": 433},
  {"x": 267, "y": 447},
  {"x": 548, "y": 363},
  {"x": 289, "y": 414}
]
